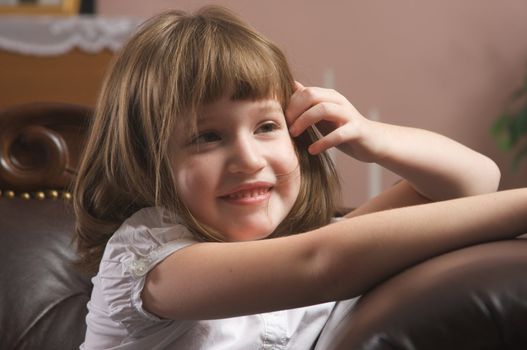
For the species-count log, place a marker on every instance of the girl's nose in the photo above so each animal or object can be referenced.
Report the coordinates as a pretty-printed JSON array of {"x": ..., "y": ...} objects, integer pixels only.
[{"x": 246, "y": 157}]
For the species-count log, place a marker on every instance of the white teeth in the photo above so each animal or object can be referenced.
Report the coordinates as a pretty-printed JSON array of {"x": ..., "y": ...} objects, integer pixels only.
[{"x": 248, "y": 194}]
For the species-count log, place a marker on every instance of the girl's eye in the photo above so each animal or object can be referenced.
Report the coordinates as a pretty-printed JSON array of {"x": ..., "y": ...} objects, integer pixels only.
[
  {"x": 206, "y": 137},
  {"x": 267, "y": 127}
]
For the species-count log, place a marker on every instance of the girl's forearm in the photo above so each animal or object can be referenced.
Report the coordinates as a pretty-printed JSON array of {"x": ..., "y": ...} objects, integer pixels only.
[
  {"x": 372, "y": 247},
  {"x": 437, "y": 167}
]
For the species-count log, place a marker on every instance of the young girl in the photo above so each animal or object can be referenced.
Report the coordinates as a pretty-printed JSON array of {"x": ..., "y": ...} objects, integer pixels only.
[{"x": 205, "y": 199}]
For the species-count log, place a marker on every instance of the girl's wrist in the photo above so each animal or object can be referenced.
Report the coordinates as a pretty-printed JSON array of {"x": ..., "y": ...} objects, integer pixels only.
[{"x": 379, "y": 144}]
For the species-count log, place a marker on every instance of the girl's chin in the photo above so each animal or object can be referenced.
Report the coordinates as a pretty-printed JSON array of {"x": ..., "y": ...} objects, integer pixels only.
[{"x": 248, "y": 233}]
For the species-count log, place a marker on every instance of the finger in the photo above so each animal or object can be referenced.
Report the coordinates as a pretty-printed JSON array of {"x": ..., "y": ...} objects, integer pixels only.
[
  {"x": 290, "y": 115},
  {"x": 330, "y": 112},
  {"x": 306, "y": 97},
  {"x": 335, "y": 138}
]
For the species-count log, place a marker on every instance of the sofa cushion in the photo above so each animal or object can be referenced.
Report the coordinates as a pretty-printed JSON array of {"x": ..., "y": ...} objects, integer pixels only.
[{"x": 43, "y": 298}]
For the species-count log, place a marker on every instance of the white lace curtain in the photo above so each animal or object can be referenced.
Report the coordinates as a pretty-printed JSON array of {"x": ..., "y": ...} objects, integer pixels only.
[{"x": 49, "y": 36}]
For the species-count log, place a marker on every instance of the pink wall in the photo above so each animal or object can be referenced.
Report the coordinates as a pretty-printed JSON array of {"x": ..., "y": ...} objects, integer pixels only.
[{"x": 447, "y": 66}]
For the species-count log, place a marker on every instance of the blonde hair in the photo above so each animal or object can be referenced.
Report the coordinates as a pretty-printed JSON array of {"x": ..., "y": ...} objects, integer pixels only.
[{"x": 172, "y": 66}]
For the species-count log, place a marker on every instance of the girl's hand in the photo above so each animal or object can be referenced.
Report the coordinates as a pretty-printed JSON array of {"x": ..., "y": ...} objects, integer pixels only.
[{"x": 337, "y": 120}]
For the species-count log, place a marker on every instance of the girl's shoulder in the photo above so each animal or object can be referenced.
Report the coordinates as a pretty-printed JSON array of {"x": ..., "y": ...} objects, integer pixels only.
[
  {"x": 149, "y": 235},
  {"x": 151, "y": 217},
  {"x": 151, "y": 224},
  {"x": 141, "y": 242}
]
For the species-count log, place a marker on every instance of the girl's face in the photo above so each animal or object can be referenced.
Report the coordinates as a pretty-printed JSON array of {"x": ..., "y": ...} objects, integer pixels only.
[{"x": 239, "y": 174}]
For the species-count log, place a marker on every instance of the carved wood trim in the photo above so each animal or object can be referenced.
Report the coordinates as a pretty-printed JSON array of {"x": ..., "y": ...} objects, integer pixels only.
[{"x": 40, "y": 145}]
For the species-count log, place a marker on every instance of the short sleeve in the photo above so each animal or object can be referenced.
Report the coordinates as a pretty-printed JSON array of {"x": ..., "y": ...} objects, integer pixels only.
[{"x": 144, "y": 240}]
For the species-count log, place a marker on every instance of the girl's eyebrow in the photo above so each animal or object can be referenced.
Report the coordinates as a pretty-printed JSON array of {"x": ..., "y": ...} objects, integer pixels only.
[
  {"x": 204, "y": 118},
  {"x": 271, "y": 108}
]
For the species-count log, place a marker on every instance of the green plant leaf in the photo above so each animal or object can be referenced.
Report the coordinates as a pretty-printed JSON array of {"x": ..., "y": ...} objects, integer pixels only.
[
  {"x": 510, "y": 127},
  {"x": 517, "y": 126},
  {"x": 521, "y": 121},
  {"x": 501, "y": 131},
  {"x": 520, "y": 155},
  {"x": 517, "y": 94}
]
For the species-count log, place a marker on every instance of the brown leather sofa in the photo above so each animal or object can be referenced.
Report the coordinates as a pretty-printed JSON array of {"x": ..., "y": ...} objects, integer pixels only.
[{"x": 473, "y": 298}]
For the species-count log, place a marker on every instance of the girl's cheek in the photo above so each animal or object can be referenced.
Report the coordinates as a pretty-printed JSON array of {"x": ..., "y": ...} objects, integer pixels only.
[
  {"x": 191, "y": 173},
  {"x": 289, "y": 154}
]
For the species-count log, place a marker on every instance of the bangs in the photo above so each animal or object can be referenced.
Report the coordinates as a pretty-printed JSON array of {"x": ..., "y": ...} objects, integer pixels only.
[
  {"x": 225, "y": 57},
  {"x": 247, "y": 71}
]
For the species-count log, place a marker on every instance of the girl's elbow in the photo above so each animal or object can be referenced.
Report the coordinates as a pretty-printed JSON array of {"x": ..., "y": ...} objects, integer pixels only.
[
  {"x": 488, "y": 178},
  {"x": 492, "y": 176},
  {"x": 496, "y": 176}
]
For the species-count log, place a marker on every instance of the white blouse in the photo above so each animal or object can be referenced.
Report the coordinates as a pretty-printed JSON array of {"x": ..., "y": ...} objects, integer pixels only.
[{"x": 117, "y": 320}]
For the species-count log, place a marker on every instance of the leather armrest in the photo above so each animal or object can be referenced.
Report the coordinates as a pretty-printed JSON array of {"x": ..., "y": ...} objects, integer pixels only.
[
  {"x": 42, "y": 297},
  {"x": 473, "y": 298}
]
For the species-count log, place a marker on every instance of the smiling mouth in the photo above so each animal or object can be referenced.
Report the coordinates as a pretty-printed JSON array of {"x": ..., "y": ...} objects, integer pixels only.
[{"x": 249, "y": 196}]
